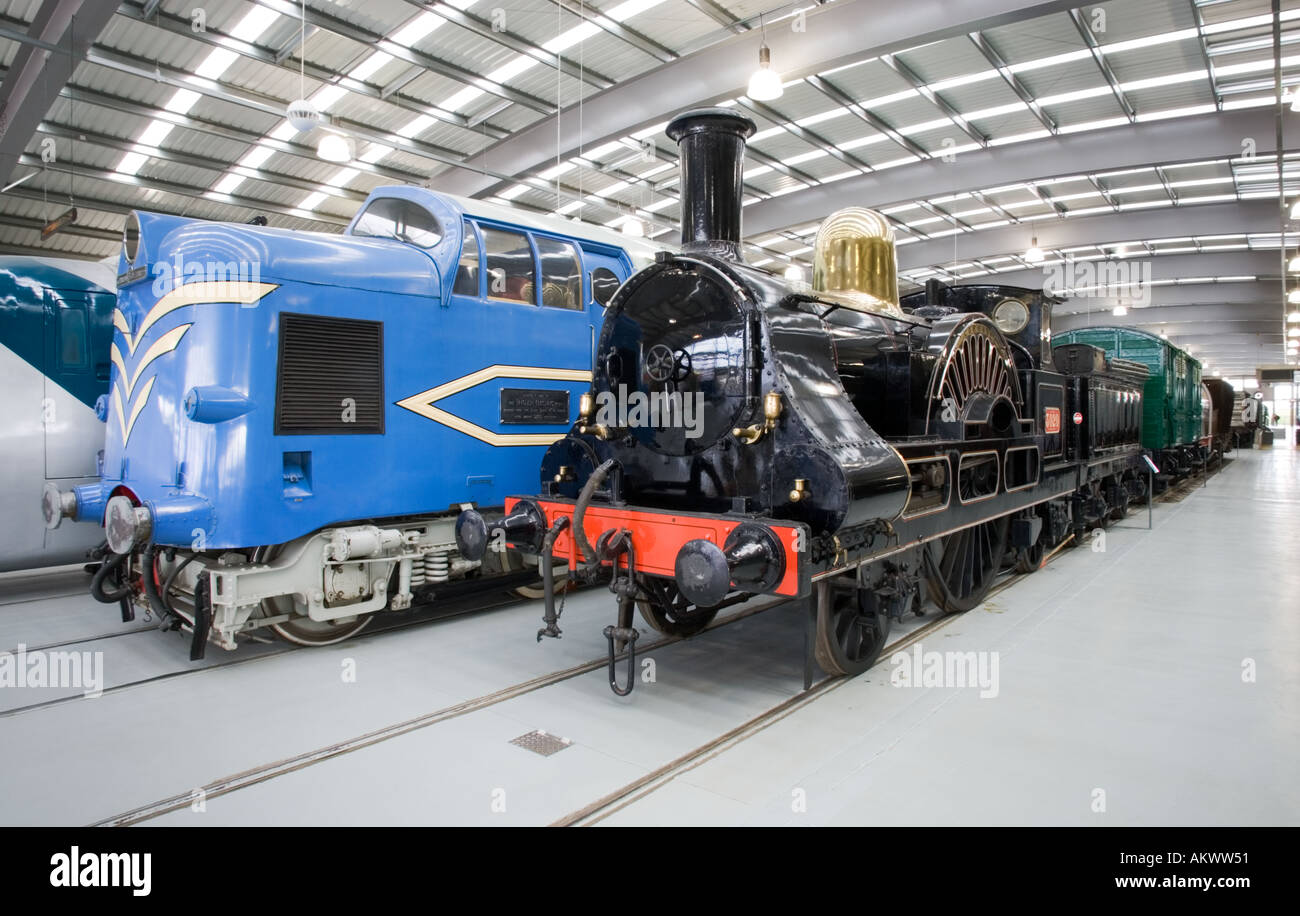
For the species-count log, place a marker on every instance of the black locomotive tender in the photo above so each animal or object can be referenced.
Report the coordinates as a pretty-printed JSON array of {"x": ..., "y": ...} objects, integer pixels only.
[{"x": 849, "y": 451}]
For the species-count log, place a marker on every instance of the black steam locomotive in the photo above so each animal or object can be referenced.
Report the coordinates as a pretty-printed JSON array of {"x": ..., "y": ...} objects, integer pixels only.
[{"x": 744, "y": 437}]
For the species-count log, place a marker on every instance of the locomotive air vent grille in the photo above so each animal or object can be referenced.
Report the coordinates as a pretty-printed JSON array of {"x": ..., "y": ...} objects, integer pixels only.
[{"x": 331, "y": 376}]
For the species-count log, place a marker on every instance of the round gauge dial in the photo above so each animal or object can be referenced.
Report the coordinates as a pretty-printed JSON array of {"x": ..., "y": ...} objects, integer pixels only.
[{"x": 1011, "y": 316}]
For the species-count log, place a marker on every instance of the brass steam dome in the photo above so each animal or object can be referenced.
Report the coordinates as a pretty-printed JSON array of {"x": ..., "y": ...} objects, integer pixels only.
[{"x": 854, "y": 261}]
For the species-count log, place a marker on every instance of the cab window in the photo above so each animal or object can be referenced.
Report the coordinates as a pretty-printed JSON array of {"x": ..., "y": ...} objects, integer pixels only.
[
  {"x": 604, "y": 283},
  {"x": 468, "y": 271},
  {"x": 508, "y": 258},
  {"x": 401, "y": 219},
  {"x": 561, "y": 274}
]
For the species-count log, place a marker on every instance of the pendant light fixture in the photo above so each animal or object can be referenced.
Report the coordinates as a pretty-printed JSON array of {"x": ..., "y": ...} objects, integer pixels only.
[
  {"x": 302, "y": 113},
  {"x": 335, "y": 148},
  {"x": 1035, "y": 254},
  {"x": 765, "y": 84}
]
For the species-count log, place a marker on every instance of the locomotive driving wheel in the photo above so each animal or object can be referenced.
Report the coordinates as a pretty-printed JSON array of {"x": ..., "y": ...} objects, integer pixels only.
[
  {"x": 851, "y": 631},
  {"x": 666, "y": 609},
  {"x": 961, "y": 567}
]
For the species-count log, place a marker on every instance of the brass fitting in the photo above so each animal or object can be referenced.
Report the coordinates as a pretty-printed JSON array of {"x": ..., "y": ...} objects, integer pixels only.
[
  {"x": 800, "y": 490},
  {"x": 565, "y": 473},
  {"x": 748, "y": 435},
  {"x": 586, "y": 407}
]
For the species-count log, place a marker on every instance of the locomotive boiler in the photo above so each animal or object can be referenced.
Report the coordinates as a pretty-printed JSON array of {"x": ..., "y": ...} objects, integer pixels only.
[{"x": 822, "y": 445}]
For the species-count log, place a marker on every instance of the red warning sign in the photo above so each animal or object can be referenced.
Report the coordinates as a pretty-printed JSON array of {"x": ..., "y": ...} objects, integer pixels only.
[
  {"x": 1052, "y": 420},
  {"x": 1078, "y": 418}
]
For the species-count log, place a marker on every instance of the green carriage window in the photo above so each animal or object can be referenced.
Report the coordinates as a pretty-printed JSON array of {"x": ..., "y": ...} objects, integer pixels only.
[
  {"x": 561, "y": 274},
  {"x": 510, "y": 270}
]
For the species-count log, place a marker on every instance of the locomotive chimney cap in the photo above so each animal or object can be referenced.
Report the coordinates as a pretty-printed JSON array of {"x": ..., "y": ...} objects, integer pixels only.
[
  {"x": 712, "y": 167},
  {"x": 710, "y": 119}
]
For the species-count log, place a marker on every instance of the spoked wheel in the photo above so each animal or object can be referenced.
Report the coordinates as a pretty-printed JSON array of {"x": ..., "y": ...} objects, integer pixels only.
[
  {"x": 301, "y": 629},
  {"x": 668, "y": 611},
  {"x": 850, "y": 634},
  {"x": 961, "y": 567}
]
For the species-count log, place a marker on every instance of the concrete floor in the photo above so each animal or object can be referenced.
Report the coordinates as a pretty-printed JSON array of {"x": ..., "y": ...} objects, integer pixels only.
[{"x": 1120, "y": 672}]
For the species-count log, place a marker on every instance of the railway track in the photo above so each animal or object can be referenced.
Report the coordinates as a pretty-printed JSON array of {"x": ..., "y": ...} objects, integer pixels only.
[
  {"x": 638, "y": 789},
  {"x": 419, "y": 617},
  {"x": 590, "y": 814},
  {"x": 297, "y": 762}
]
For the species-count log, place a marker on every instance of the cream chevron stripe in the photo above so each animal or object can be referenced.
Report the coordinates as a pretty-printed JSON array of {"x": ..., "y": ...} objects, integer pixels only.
[
  {"x": 162, "y": 345},
  {"x": 115, "y": 355},
  {"x": 423, "y": 402},
  {"x": 140, "y": 400},
  {"x": 202, "y": 293},
  {"x": 119, "y": 322},
  {"x": 119, "y": 411}
]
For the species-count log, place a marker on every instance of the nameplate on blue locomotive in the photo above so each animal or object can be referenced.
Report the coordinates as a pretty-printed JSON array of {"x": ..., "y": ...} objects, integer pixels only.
[{"x": 534, "y": 405}]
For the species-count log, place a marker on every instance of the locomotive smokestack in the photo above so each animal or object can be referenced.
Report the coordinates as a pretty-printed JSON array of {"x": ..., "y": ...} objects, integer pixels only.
[{"x": 712, "y": 144}]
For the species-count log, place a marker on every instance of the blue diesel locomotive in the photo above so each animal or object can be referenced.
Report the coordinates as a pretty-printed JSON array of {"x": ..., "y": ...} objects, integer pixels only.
[{"x": 295, "y": 419}]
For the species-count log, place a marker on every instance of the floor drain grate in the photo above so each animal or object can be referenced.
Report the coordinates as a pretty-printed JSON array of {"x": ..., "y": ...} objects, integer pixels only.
[{"x": 539, "y": 742}]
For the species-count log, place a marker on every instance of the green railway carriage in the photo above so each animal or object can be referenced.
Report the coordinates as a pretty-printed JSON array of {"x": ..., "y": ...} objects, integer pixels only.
[{"x": 1171, "y": 415}]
